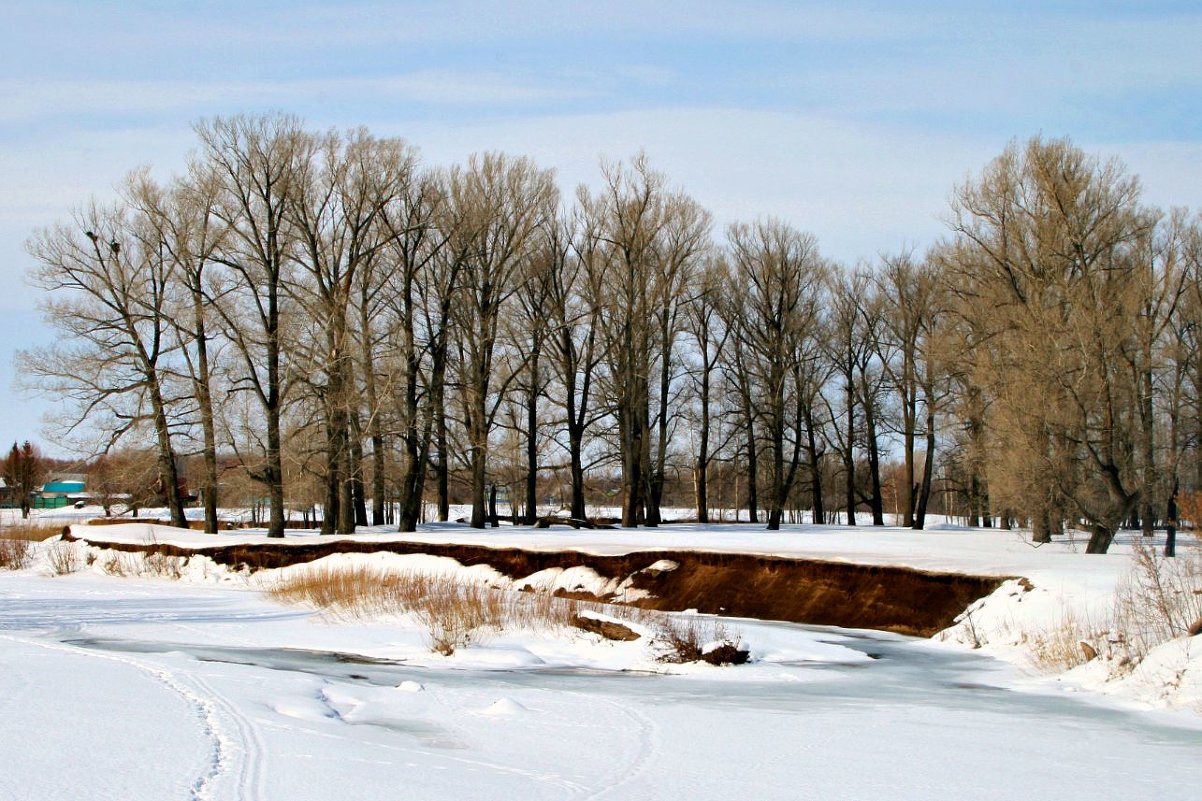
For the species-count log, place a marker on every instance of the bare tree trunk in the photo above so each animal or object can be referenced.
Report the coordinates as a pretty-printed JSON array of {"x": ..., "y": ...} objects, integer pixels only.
[
  {"x": 166, "y": 457},
  {"x": 815, "y": 466},
  {"x": 358, "y": 498},
  {"x": 1147, "y": 445},
  {"x": 849, "y": 457},
  {"x": 928, "y": 471},
  {"x": 442, "y": 467},
  {"x": 701, "y": 468},
  {"x": 532, "y": 435}
]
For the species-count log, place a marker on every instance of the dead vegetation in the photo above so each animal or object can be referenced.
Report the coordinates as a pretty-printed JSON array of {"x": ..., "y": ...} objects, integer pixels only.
[
  {"x": 1159, "y": 599},
  {"x": 691, "y": 638},
  {"x": 454, "y": 613},
  {"x": 33, "y": 530},
  {"x": 64, "y": 557},
  {"x": 15, "y": 552},
  {"x": 896, "y": 599},
  {"x": 1070, "y": 643},
  {"x": 134, "y": 565}
]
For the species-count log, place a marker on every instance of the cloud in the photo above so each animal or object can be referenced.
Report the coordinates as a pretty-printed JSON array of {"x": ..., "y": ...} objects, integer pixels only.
[{"x": 113, "y": 99}]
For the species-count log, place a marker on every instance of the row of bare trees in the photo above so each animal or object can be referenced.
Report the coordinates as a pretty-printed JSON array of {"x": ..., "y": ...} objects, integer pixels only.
[{"x": 322, "y": 304}]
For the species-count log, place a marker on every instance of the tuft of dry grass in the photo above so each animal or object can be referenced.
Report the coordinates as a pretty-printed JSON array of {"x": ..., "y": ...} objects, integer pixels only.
[
  {"x": 15, "y": 552},
  {"x": 63, "y": 557},
  {"x": 139, "y": 565},
  {"x": 685, "y": 638},
  {"x": 164, "y": 566},
  {"x": 1070, "y": 643}
]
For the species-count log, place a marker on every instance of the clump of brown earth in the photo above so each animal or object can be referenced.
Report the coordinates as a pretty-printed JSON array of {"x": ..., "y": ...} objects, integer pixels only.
[{"x": 894, "y": 599}]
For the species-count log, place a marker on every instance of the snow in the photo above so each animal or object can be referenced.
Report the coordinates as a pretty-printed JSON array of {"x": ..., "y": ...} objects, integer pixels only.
[
  {"x": 941, "y": 548},
  {"x": 230, "y": 695}
]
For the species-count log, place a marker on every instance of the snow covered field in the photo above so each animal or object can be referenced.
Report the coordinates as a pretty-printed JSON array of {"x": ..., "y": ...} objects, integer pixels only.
[{"x": 203, "y": 687}]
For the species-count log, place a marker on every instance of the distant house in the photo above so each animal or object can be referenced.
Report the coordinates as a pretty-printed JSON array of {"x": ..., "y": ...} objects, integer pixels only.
[
  {"x": 6, "y": 496},
  {"x": 62, "y": 490}
]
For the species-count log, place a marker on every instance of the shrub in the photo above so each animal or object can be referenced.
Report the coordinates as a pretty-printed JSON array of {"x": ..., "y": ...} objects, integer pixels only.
[
  {"x": 1159, "y": 598},
  {"x": 63, "y": 558},
  {"x": 164, "y": 566},
  {"x": 696, "y": 639}
]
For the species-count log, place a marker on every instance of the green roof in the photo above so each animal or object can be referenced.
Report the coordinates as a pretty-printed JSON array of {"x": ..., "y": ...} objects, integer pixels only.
[{"x": 63, "y": 486}]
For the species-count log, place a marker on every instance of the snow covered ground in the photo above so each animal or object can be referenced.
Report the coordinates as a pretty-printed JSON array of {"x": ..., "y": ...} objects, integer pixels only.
[{"x": 148, "y": 688}]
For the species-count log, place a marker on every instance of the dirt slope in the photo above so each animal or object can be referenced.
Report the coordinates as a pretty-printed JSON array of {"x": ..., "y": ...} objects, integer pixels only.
[{"x": 801, "y": 591}]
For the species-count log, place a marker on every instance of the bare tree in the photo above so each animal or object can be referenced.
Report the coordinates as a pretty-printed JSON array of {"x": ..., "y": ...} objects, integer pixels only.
[
  {"x": 532, "y": 334},
  {"x": 912, "y": 314},
  {"x": 848, "y": 343},
  {"x": 646, "y": 242},
  {"x": 108, "y": 284},
  {"x": 417, "y": 301},
  {"x": 503, "y": 203},
  {"x": 255, "y": 162},
  {"x": 777, "y": 274},
  {"x": 183, "y": 222},
  {"x": 336, "y": 212},
  {"x": 573, "y": 311},
  {"x": 705, "y": 326}
]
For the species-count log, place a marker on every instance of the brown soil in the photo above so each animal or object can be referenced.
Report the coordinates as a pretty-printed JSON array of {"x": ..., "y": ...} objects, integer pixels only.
[{"x": 895, "y": 599}]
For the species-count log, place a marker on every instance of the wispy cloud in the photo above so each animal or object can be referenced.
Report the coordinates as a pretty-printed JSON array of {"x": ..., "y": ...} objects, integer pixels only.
[{"x": 28, "y": 100}]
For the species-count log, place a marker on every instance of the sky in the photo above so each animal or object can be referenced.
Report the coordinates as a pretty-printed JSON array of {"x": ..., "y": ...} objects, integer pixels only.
[{"x": 853, "y": 121}]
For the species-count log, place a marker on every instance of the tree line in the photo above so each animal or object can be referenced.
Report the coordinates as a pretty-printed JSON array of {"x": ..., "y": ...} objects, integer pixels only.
[{"x": 314, "y": 307}]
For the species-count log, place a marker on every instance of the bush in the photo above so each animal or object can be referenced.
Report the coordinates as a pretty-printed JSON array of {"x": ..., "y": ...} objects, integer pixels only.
[
  {"x": 163, "y": 566},
  {"x": 1159, "y": 599},
  {"x": 698, "y": 639},
  {"x": 63, "y": 557}
]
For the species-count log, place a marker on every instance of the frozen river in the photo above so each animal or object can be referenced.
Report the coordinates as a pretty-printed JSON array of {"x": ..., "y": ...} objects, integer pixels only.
[{"x": 154, "y": 694}]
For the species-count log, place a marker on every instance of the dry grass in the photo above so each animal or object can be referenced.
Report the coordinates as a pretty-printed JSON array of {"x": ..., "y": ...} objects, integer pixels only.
[
  {"x": 1159, "y": 598},
  {"x": 15, "y": 552},
  {"x": 685, "y": 637},
  {"x": 32, "y": 530},
  {"x": 64, "y": 558},
  {"x": 137, "y": 565},
  {"x": 453, "y": 613},
  {"x": 1072, "y": 642}
]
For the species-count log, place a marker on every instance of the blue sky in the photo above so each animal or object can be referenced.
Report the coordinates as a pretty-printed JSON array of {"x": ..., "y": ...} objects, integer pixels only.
[{"x": 850, "y": 120}]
